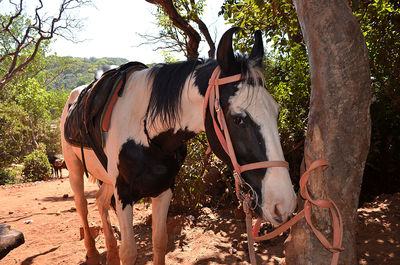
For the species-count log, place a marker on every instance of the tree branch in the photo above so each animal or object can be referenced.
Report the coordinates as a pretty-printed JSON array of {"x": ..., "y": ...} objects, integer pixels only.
[
  {"x": 204, "y": 30},
  {"x": 34, "y": 35},
  {"x": 178, "y": 21}
]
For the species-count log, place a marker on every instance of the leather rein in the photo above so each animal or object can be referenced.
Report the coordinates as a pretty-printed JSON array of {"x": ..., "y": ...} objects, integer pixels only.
[{"x": 246, "y": 194}]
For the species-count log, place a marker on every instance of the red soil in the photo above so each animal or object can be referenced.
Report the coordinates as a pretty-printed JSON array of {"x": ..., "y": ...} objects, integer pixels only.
[{"x": 53, "y": 236}]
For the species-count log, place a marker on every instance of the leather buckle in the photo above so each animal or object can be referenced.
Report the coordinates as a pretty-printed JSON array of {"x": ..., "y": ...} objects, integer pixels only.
[{"x": 217, "y": 106}]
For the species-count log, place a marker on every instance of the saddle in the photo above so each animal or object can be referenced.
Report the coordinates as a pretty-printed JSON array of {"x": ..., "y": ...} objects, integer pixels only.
[{"x": 88, "y": 118}]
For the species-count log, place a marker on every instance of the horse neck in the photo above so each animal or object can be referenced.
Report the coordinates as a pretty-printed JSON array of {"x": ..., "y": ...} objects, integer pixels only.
[
  {"x": 189, "y": 122},
  {"x": 169, "y": 138},
  {"x": 193, "y": 97},
  {"x": 191, "y": 114}
]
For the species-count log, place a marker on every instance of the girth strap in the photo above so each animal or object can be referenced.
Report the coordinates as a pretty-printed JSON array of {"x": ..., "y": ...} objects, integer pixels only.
[{"x": 90, "y": 127}]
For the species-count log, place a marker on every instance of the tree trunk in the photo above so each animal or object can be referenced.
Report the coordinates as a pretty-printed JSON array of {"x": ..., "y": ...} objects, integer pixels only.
[
  {"x": 339, "y": 125},
  {"x": 34, "y": 142}
]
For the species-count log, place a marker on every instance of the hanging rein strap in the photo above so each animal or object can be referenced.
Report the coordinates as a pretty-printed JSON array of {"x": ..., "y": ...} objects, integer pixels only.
[
  {"x": 336, "y": 246},
  {"x": 212, "y": 101}
]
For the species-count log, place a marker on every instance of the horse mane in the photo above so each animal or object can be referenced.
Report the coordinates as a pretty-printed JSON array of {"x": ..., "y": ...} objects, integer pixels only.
[
  {"x": 252, "y": 73},
  {"x": 168, "y": 82}
]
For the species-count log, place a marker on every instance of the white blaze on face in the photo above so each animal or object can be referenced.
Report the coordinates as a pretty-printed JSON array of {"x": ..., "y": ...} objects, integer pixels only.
[{"x": 278, "y": 197}]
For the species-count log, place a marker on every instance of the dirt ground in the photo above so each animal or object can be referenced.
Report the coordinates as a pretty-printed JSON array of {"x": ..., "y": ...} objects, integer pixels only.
[{"x": 45, "y": 213}]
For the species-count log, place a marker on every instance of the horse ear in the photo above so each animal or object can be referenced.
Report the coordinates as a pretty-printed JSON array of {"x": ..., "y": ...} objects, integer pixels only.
[
  {"x": 225, "y": 56},
  {"x": 257, "y": 53}
]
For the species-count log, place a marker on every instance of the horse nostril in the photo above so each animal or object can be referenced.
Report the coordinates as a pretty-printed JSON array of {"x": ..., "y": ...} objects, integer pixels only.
[
  {"x": 278, "y": 214},
  {"x": 290, "y": 216},
  {"x": 278, "y": 219}
]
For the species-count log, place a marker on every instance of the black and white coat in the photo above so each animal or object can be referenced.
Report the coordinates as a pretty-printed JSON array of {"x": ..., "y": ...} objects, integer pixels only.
[{"x": 162, "y": 107}]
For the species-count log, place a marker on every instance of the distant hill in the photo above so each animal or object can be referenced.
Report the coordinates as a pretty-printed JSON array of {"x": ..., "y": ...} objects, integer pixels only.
[{"x": 74, "y": 71}]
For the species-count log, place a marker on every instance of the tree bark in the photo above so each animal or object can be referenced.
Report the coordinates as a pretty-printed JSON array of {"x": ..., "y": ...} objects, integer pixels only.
[{"x": 339, "y": 126}]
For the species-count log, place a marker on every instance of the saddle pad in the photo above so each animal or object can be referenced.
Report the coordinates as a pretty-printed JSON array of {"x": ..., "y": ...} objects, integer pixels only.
[{"x": 90, "y": 113}]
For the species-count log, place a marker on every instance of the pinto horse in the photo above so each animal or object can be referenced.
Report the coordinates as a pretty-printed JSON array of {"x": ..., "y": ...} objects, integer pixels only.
[{"x": 160, "y": 109}]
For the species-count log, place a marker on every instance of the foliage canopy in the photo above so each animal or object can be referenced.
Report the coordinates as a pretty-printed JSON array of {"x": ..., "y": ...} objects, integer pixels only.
[{"x": 288, "y": 80}]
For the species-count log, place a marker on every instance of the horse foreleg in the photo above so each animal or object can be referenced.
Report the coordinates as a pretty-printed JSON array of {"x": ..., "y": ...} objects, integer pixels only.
[
  {"x": 160, "y": 207},
  {"x": 76, "y": 182},
  {"x": 103, "y": 199},
  {"x": 127, "y": 251}
]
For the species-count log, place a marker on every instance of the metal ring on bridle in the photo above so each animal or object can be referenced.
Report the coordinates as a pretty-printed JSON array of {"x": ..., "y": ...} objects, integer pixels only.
[
  {"x": 217, "y": 105},
  {"x": 247, "y": 190}
]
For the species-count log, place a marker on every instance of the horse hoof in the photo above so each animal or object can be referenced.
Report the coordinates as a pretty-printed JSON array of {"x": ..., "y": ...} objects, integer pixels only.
[
  {"x": 94, "y": 260},
  {"x": 113, "y": 261},
  {"x": 113, "y": 257}
]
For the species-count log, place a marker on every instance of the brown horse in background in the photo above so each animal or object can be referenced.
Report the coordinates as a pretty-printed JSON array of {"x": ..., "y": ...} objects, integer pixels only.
[{"x": 56, "y": 166}]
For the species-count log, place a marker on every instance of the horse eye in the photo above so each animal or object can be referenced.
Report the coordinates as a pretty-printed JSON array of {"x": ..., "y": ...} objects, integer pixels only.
[{"x": 238, "y": 120}]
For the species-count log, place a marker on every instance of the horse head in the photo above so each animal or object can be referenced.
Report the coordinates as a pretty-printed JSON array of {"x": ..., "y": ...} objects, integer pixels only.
[{"x": 250, "y": 115}]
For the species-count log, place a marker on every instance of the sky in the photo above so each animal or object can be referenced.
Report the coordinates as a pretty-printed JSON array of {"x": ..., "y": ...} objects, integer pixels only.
[{"x": 111, "y": 27}]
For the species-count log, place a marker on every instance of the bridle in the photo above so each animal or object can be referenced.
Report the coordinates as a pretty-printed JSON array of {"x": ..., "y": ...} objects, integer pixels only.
[
  {"x": 246, "y": 194},
  {"x": 244, "y": 191}
]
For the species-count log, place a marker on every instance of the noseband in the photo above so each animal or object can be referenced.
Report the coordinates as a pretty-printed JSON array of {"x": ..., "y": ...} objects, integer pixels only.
[{"x": 244, "y": 191}]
